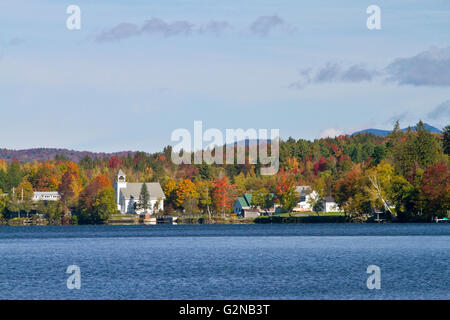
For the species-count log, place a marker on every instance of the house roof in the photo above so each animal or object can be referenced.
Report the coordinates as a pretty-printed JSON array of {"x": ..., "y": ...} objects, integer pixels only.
[
  {"x": 329, "y": 199},
  {"x": 245, "y": 200},
  {"x": 242, "y": 202},
  {"x": 45, "y": 193},
  {"x": 134, "y": 190},
  {"x": 248, "y": 198}
]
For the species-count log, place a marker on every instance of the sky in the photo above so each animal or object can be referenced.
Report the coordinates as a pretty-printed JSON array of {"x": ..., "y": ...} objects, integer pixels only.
[{"x": 138, "y": 70}]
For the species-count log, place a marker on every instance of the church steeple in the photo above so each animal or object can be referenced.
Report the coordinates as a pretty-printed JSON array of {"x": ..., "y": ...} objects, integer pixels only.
[
  {"x": 121, "y": 177},
  {"x": 121, "y": 183}
]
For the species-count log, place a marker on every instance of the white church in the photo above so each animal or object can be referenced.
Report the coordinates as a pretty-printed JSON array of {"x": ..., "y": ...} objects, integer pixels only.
[{"x": 127, "y": 195}]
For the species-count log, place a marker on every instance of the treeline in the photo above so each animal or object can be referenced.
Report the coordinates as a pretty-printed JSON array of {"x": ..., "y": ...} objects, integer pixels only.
[
  {"x": 44, "y": 154},
  {"x": 405, "y": 174}
]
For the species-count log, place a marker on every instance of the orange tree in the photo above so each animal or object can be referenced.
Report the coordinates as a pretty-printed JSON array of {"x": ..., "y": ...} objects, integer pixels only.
[
  {"x": 222, "y": 195},
  {"x": 70, "y": 185},
  {"x": 287, "y": 197}
]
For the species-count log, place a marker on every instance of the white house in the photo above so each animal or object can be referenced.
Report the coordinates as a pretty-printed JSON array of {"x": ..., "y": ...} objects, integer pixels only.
[
  {"x": 330, "y": 205},
  {"x": 127, "y": 195},
  {"x": 305, "y": 194},
  {"x": 46, "y": 196}
]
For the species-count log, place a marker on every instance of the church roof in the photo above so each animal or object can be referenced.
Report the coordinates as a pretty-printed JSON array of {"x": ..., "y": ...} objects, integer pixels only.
[
  {"x": 133, "y": 189},
  {"x": 48, "y": 193},
  {"x": 120, "y": 173}
]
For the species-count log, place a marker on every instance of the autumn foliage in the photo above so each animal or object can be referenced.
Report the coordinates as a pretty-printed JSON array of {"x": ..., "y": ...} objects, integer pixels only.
[
  {"x": 405, "y": 172},
  {"x": 222, "y": 195}
]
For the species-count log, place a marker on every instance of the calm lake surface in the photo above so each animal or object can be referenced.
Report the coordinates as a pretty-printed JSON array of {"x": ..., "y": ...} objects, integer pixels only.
[{"x": 279, "y": 261}]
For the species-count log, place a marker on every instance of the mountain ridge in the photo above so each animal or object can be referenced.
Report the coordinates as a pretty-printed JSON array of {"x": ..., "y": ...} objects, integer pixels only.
[
  {"x": 384, "y": 133},
  {"x": 44, "y": 154}
]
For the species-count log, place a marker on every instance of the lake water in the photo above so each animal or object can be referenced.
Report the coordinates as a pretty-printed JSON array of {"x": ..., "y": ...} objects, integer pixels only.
[{"x": 289, "y": 261}]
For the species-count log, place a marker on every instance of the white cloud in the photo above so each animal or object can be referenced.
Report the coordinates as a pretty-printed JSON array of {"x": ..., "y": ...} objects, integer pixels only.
[{"x": 330, "y": 133}]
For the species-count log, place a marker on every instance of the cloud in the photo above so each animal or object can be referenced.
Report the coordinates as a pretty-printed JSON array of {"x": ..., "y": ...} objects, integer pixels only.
[
  {"x": 123, "y": 30},
  {"x": 215, "y": 27},
  {"x": 330, "y": 72},
  {"x": 428, "y": 68},
  {"x": 440, "y": 111},
  {"x": 263, "y": 25},
  {"x": 330, "y": 133},
  {"x": 334, "y": 72},
  {"x": 158, "y": 27},
  {"x": 358, "y": 73}
]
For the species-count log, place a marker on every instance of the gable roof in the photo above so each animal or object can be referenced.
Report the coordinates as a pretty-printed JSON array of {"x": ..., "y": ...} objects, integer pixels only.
[
  {"x": 242, "y": 202},
  {"x": 120, "y": 173},
  {"x": 46, "y": 193},
  {"x": 328, "y": 199},
  {"x": 133, "y": 189},
  {"x": 248, "y": 198},
  {"x": 245, "y": 200}
]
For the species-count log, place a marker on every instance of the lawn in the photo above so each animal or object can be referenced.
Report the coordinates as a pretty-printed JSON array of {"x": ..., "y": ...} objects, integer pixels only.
[
  {"x": 304, "y": 214},
  {"x": 304, "y": 217}
]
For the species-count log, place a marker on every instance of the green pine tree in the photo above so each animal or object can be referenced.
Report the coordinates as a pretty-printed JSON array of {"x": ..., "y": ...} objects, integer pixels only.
[
  {"x": 144, "y": 198},
  {"x": 447, "y": 140}
]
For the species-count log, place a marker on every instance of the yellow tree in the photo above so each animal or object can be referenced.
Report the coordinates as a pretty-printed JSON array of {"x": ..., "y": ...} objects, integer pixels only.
[
  {"x": 3, "y": 165},
  {"x": 204, "y": 189},
  {"x": 24, "y": 191},
  {"x": 23, "y": 195},
  {"x": 148, "y": 174},
  {"x": 186, "y": 194},
  {"x": 291, "y": 164},
  {"x": 240, "y": 182},
  {"x": 170, "y": 189},
  {"x": 3, "y": 203},
  {"x": 380, "y": 178}
]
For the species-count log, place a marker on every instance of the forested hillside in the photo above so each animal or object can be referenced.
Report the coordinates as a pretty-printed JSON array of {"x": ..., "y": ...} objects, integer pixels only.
[{"x": 404, "y": 173}]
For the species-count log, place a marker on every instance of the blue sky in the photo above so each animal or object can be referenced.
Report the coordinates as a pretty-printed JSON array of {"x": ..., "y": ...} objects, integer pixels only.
[{"x": 137, "y": 70}]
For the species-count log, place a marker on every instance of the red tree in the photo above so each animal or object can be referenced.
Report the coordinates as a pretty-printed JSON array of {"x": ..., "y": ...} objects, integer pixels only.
[
  {"x": 320, "y": 165},
  {"x": 222, "y": 195},
  {"x": 115, "y": 162},
  {"x": 436, "y": 187}
]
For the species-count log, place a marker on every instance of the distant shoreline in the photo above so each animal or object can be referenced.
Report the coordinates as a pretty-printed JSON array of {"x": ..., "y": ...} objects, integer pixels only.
[{"x": 201, "y": 220}]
